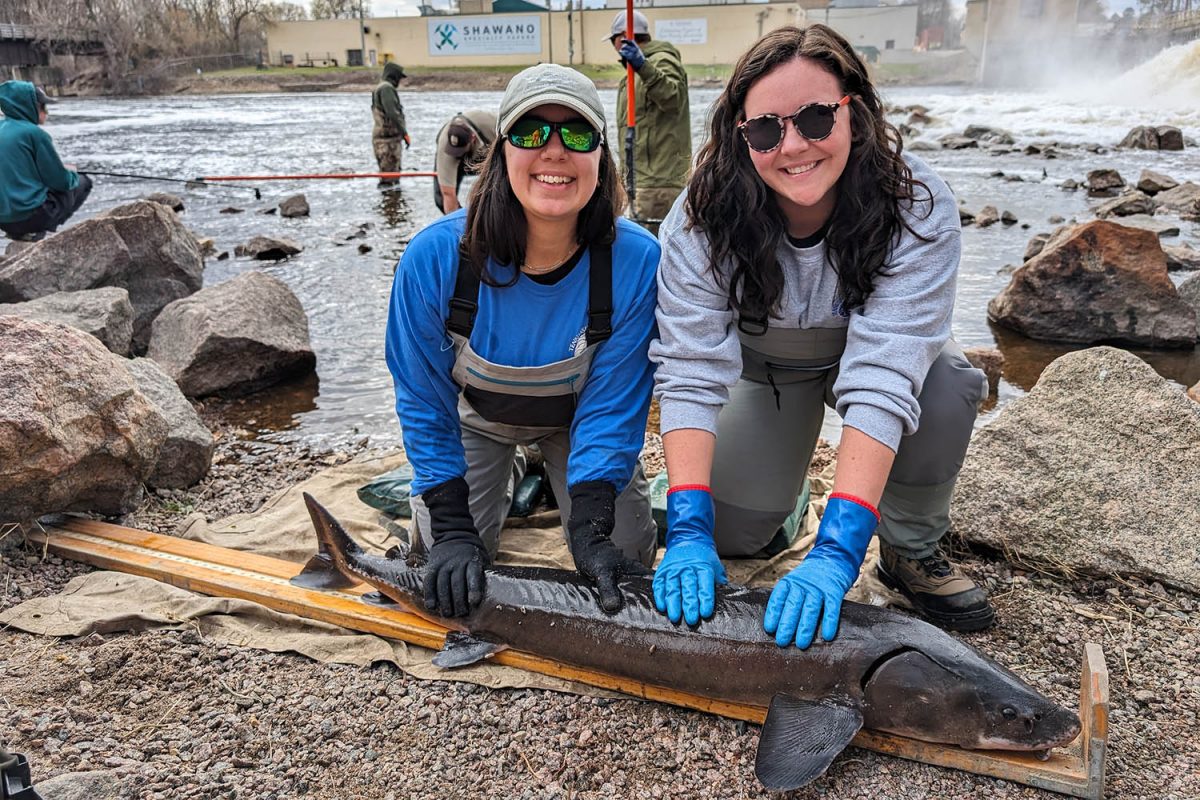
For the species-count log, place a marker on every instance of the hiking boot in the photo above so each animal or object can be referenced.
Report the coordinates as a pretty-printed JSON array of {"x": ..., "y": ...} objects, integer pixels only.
[
  {"x": 29, "y": 237},
  {"x": 937, "y": 588}
]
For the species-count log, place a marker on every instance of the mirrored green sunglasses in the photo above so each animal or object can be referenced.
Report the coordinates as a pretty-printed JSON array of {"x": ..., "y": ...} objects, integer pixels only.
[{"x": 531, "y": 133}]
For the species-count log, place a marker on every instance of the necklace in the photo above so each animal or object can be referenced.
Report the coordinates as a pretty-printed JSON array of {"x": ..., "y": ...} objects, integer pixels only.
[{"x": 529, "y": 269}]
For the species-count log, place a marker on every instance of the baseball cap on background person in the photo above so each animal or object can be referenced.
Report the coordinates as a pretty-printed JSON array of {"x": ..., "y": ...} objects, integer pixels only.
[
  {"x": 43, "y": 99},
  {"x": 459, "y": 136},
  {"x": 640, "y": 25},
  {"x": 550, "y": 84}
]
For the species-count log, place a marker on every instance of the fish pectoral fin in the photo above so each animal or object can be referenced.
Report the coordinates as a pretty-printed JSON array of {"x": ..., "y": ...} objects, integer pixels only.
[
  {"x": 463, "y": 649},
  {"x": 800, "y": 739}
]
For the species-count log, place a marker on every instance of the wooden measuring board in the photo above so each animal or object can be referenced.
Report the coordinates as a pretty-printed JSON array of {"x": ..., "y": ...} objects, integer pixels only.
[{"x": 1077, "y": 771}]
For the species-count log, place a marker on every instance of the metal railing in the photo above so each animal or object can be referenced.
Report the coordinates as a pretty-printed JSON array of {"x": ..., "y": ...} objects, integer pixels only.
[{"x": 11, "y": 30}]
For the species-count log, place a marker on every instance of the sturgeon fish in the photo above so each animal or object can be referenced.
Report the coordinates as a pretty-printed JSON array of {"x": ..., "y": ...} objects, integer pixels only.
[{"x": 885, "y": 671}]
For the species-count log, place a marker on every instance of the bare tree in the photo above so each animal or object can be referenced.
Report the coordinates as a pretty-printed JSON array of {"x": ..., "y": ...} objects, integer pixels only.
[{"x": 340, "y": 9}]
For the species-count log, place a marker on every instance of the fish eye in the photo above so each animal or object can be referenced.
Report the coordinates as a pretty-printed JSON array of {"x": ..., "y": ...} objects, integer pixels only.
[
  {"x": 1009, "y": 713},
  {"x": 1037, "y": 717}
]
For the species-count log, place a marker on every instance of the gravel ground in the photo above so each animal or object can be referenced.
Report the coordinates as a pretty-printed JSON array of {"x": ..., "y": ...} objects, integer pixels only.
[{"x": 169, "y": 715}]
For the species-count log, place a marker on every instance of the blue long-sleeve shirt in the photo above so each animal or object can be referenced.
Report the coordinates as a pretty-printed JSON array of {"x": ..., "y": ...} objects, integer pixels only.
[
  {"x": 524, "y": 325},
  {"x": 29, "y": 164}
]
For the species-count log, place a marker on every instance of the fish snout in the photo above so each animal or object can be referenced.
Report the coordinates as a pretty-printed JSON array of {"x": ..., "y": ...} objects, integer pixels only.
[
  {"x": 1046, "y": 727},
  {"x": 1061, "y": 727}
]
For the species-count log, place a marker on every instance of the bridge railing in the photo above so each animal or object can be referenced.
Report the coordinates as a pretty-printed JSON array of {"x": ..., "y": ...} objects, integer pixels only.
[
  {"x": 31, "y": 33},
  {"x": 1174, "y": 20}
]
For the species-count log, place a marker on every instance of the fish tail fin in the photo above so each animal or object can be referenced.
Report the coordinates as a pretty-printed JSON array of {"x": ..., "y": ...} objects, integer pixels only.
[{"x": 329, "y": 568}]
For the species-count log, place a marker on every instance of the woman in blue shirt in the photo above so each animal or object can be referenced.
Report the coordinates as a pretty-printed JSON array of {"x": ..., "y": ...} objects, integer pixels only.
[{"x": 527, "y": 318}]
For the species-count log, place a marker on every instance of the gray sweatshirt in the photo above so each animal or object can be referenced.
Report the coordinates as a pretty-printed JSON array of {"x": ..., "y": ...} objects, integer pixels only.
[{"x": 891, "y": 343}]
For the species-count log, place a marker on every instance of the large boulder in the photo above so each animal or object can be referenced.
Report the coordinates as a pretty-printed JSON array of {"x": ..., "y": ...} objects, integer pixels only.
[
  {"x": 1126, "y": 205},
  {"x": 1104, "y": 183},
  {"x": 268, "y": 248},
  {"x": 186, "y": 455},
  {"x": 233, "y": 338},
  {"x": 990, "y": 360},
  {"x": 1152, "y": 182},
  {"x": 171, "y": 201},
  {"x": 104, "y": 313},
  {"x": 1095, "y": 283},
  {"x": 1143, "y": 137},
  {"x": 76, "y": 434},
  {"x": 1189, "y": 291},
  {"x": 141, "y": 247},
  {"x": 1183, "y": 199},
  {"x": 1169, "y": 137},
  {"x": 294, "y": 206},
  {"x": 1035, "y": 245},
  {"x": 1093, "y": 471},
  {"x": 1181, "y": 258}
]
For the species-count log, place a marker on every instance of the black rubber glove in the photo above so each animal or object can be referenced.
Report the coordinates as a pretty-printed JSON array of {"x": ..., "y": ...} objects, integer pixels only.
[
  {"x": 589, "y": 532},
  {"x": 454, "y": 579}
]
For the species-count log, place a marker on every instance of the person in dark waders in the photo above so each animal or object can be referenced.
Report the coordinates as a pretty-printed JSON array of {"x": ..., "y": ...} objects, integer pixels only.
[
  {"x": 38, "y": 193},
  {"x": 389, "y": 136},
  {"x": 526, "y": 318},
  {"x": 811, "y": 264}
]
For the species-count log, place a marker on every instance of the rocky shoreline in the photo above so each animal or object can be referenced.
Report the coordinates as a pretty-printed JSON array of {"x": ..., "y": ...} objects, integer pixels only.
[{"x": 171, "y": 716}]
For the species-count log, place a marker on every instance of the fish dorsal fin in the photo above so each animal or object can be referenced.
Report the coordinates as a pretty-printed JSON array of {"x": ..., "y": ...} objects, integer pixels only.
[
  {"x": 322, "y": 574},
  {"x": 463, "y": 649},
  {"x": 801, "y": 738}
]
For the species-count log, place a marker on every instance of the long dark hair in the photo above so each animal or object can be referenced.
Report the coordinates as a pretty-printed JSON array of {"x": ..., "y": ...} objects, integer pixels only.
[
  {"x": 737, "y": 211},
  {"x": 496, "y": 225}
]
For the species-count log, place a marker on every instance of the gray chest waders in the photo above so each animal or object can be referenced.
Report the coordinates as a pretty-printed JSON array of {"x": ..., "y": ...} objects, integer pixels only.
[
  {"x": 767, "y": 432},
  {"x": 501, "y": 407},
  {"x": 519, "y": 403}
]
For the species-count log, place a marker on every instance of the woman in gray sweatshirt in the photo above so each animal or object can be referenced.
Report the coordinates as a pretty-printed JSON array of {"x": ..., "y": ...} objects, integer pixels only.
[{"x": 810, "y": 263}]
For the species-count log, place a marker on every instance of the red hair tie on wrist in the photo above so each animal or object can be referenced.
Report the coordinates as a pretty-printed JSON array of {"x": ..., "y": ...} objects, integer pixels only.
[
  {"x": 683, "y": 487},
  {"x": 859, "y": 501}
]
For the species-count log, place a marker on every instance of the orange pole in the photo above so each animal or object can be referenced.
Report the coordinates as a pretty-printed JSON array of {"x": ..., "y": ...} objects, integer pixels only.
[
  {"x": 631, "y": 116},
  {"x": 341, "y": 176}
]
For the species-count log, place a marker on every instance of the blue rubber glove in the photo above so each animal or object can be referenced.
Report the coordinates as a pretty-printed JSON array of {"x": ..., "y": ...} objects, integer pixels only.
[
  {"x": 632, "y": 54},
  {"x": 685, "y": 583},
  {"x": 824, "y": 576}
]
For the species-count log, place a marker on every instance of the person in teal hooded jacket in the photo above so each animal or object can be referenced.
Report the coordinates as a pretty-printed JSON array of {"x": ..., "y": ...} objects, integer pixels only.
[{"x": 38, "y": 192}]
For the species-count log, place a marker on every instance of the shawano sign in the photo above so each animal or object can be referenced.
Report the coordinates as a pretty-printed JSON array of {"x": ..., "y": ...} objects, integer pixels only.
[{"x": 485, "y": 36}]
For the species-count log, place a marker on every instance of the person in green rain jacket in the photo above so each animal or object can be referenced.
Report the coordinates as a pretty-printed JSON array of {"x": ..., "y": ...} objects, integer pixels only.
[
  {"x": 662, "y": 151},
  {"x": 390, "y": 133},
  {"x": 38, "y": 192}
]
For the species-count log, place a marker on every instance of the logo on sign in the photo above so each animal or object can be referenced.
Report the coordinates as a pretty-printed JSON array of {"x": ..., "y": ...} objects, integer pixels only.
[{"x": 446, "y": 32}]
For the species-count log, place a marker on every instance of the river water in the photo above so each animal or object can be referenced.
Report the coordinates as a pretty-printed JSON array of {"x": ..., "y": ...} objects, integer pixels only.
[{"x": 345, "y": 292}]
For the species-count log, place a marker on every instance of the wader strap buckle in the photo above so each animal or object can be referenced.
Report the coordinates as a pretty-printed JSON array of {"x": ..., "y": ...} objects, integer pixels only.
[
  {"x": 461, "y": 318},
  {"x": 463, "y": 304},
  {"x": 752, "y": 327}
]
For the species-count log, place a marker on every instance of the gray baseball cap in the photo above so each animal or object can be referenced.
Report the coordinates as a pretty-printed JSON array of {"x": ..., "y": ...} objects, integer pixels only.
[
  {"x": 43, "y": 99},
  {"x": 640, "y": 25},
  {"x": 550, "y": 84}
]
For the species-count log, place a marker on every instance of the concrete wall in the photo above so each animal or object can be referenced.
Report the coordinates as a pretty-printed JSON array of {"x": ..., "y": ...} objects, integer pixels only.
[
  {"x": 719, "y": 34},
  {"x": 1025, "y": 42},
  {"x": 873, "y": 27}
]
